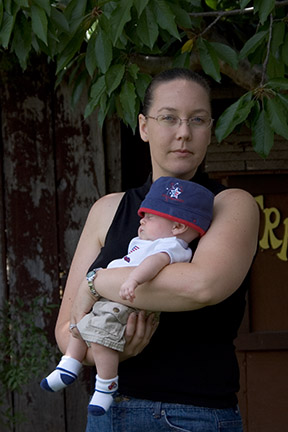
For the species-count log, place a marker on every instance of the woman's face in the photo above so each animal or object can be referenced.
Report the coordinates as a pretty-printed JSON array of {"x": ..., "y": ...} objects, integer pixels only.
[{"x": 177, "y": 151}]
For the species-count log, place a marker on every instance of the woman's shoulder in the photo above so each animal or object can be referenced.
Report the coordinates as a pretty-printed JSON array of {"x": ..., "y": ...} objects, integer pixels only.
[
  {"x": 240, "y": 195},
  {"x": 102, "y": 213},
  {"x": 108, "y": 202},
  {"x": 237, "y": 203}
]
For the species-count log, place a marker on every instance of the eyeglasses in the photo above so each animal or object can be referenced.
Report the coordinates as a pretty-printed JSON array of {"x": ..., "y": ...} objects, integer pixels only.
[{"x": 172, "y": 120}]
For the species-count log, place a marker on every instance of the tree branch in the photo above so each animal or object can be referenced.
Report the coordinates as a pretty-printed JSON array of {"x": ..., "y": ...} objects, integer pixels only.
[
  {"x": 210, "y": 26},
  {"x": 268, "y": 51},
  {"x": 233, "y": 12}
]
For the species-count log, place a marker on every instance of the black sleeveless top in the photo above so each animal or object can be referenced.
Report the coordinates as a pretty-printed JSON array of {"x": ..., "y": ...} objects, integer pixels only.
[{"x": 191, "y": 357}]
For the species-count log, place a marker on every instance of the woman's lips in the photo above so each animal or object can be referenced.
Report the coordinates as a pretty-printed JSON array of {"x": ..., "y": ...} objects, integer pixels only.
[{"x": 182, "y": 152}]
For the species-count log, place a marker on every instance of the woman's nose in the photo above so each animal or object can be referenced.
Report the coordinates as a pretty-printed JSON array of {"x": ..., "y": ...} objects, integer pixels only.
[{"x": 184, "y": 131}]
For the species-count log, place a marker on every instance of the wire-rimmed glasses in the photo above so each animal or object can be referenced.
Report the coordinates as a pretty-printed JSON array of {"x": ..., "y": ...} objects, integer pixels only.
[{"x": 170, "y": 120}]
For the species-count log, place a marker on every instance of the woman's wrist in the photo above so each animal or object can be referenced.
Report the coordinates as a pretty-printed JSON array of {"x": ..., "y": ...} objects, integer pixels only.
[{"x": 91, "y": 276}]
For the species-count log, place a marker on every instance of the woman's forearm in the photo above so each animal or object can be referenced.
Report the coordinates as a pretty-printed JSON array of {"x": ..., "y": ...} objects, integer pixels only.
[
  {"x": 160, "y": 294},
  {"x": 219, "y": 265}
]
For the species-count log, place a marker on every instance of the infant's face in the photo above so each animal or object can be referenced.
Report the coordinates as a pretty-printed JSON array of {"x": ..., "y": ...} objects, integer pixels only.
[{"x": 153, "y": 227}]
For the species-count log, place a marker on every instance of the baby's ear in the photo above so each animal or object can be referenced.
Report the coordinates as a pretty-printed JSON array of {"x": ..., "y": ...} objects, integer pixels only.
[{"x": 179, "y": 228}]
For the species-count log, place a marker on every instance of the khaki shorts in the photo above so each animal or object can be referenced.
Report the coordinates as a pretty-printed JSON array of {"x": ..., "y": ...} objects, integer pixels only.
[{"x": 106, "y": 324}]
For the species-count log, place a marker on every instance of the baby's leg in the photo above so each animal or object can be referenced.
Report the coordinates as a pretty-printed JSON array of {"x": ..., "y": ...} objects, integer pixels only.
[
  {"x": 106, "y": 361},
  {"x": 69, "y": 367}
]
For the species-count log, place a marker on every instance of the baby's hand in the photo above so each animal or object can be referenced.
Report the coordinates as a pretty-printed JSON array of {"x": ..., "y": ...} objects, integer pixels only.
[{"x": 127, "y": 290}]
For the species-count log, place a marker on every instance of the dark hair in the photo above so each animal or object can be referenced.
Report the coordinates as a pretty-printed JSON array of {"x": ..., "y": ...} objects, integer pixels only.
[{"x": 170, "y": 75}]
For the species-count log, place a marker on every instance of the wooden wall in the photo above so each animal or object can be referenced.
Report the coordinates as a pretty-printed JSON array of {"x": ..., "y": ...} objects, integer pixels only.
[
  {"x": 262, "y": 345},
  {"x": 53, "y": 167}
]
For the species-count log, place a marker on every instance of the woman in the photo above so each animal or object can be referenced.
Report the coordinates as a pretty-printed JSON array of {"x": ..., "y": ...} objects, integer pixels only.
[{"x": 191, "y": 381}]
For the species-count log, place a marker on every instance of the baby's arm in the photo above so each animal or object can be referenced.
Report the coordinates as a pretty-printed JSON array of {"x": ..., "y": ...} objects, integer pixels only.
[{"x": 144, "y": 272}]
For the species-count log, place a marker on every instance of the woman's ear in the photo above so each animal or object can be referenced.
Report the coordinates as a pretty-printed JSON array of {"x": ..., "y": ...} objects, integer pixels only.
[{"x": 143, "y": 127}]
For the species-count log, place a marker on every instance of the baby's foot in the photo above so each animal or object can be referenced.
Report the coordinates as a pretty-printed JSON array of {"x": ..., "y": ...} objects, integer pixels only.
[
  {"x": 65, "y": 374},
  {"x": 103, "y": 396}
]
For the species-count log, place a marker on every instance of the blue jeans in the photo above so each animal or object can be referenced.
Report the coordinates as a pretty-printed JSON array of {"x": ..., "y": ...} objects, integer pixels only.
[{"x": 137, "y": 415}]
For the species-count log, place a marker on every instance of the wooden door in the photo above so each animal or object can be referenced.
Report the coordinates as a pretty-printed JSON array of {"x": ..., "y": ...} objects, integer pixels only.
[{"x": 263, "y": 340}]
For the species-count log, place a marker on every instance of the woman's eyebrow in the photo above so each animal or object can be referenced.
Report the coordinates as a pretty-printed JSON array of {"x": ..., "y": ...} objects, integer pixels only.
[
  {"x": 167, "y": 109},
  {"x": 175, "y": 110}
]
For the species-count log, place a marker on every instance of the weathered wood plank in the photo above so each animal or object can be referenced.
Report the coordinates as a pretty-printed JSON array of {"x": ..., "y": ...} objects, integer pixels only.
[
  {"x": 80, "y": 169},
  {"x": 5, "y": 398},
  {"x": 80, "y": 179},
  {"x": 112, "y": 130},
  {"x": 30, "y": 213}
]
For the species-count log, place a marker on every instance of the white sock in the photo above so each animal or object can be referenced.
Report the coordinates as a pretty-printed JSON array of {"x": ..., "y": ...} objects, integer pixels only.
[
  {"x": 103, "y": 395},
  {"x": 65, "y": 374}
]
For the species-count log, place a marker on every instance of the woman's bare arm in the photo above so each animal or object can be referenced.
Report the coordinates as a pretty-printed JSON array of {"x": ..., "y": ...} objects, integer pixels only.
[
  {"x": 90, "y": 243},
  {"x": 219, "y": 265},
  {"x": 139, "y": 328}
]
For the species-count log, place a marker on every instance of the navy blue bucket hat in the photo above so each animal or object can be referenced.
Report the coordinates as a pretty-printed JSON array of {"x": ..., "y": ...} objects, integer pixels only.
[{"x": 180, "y": 200}]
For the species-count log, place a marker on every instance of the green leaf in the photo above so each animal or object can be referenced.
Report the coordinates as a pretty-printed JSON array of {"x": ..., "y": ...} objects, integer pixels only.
[
  {"x": 74, "y": 12},
  {"x": 244, "y": 3},
  {"x": 264, "y": 8},
  {"x": 1, "y": 13},
  {"x": 278, "y": 35},
  {"x": 226, "y": 53},
  {"x": 103, "y": 51},
  {"x": 69, "y": 51},
  {"x": 182, "y": 60},
  {"x": 284, "y": 50},
  {"x": 235, "y": 114},
  {"x": 6, "y": 29},
  {"x": 278, "y": 83},
  {"x": 21, "y": 43},
  {"x": 127, "y": 98},
  {"x": 165, "y": 17},
  {"x": 96, "y": 93},
  {"x": 195, "y": 3},
  {"x": 59, "y": 20},
  {"x": 262, "y": 135},
  {"x": 275, "y": 68},
  {"x": 147, "y": 28},
  {"x": 113, "y": 77},
  {"x": 283, "y": 99},
  {"x": 133, "y": 70},
  {"x": 182, "y": 17},
  {"x": 120, "y": 16},
  {"x": 39, "y": 23},
  {"x": 208, "y": 59},
  {"x": 44, "y": 4},
  {"x": 20, "y": 3},
  {"x": 118, "y": 106},
  {"x": 98, "y": 88},
  {"x": 212, "y": 4},
  {"x": 141, "y": 84},
  {"x": 90, "y": 57},
  {"x": 140, "y": 5},
  {"x": 253, "y": 43},
  {"x": 104, "y": 107},
  {"x": 277, "y": 116}
]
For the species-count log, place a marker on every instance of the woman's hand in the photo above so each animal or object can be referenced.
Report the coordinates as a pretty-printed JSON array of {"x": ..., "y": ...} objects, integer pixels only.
[{"x": 139, "y": 331}]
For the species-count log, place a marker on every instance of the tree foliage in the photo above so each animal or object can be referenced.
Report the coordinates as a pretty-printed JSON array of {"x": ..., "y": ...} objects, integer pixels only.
[{"x": 105, "y": 46}]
